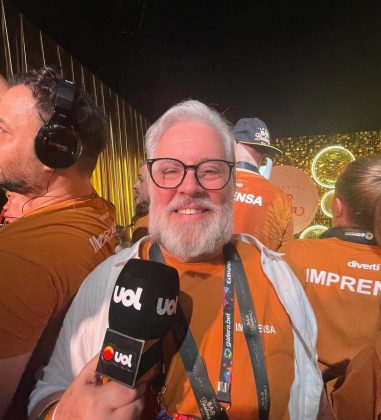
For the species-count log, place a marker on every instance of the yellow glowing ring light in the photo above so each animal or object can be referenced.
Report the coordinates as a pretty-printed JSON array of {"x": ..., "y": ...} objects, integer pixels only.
[
  {"x": 313, "y": 231},
  {"x": 325, "y": 203},
  {"x": 330, "y": 161}
]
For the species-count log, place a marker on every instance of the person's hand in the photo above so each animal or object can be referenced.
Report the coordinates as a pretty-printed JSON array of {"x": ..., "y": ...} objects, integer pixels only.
[{"x": 86, "y": 398}]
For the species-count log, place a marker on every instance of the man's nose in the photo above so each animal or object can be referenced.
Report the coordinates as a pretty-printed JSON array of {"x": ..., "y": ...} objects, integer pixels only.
[{"x": 190, "y": 184}]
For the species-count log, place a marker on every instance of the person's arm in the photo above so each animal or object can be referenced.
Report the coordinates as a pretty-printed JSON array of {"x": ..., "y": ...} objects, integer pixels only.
[
  {"x": 11, "y": 370},
  {"x": 87, "y": 398},
  {"x": 44, "y": 410}
]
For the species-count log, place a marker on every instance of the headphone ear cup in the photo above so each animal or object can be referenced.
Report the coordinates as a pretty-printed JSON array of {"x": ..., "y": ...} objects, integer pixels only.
[{"x": 57, "y": 146}]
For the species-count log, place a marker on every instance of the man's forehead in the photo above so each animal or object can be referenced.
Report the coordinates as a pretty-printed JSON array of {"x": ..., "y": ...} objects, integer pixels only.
[
  {"x": 18, "y": 93},
  {"x": 191, "y": 127},
  {"x": 17, "y": 101},
  {"x": 191, "y": 138}
]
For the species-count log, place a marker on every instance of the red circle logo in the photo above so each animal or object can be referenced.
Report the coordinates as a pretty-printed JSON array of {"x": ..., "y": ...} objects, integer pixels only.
[{"x": 108, "y": 353}]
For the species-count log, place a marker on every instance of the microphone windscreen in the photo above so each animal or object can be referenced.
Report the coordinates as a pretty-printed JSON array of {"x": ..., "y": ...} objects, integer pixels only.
[{"x": 144, "y": 300}]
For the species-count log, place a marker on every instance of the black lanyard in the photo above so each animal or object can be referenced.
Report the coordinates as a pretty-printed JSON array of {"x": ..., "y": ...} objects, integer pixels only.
[
  {"x": 224, "y": 382},
  {"x": 250, "y": 330},
  {"x": 206, "y": 398}
]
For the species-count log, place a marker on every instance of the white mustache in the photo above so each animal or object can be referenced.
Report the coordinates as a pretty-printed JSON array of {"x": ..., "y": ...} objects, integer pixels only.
[{"x": 201, "y": 203}]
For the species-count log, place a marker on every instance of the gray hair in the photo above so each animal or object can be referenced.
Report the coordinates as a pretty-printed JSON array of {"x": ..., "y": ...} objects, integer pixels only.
[{"x": 190, "y": 110}]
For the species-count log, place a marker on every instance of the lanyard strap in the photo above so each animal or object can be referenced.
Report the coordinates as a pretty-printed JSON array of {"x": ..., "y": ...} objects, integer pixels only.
[
  {"x": 206, "y": 398},
  {"x": 194, "y": 367},
  {"x": 224, "y": 382},
  {"x": 251, "y": 330}
]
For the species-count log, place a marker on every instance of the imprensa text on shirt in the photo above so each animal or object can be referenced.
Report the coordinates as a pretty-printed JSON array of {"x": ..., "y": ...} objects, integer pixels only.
[{"x": 343, "y": 282}]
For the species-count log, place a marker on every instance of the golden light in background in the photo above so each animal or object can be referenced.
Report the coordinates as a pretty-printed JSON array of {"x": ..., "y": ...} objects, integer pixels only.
[
  {"x": 329, "y": 163},
  {"x": 313, "y": 232},
  {"x": 326, "y": 203},
  {"x": 300, "y": 152}
]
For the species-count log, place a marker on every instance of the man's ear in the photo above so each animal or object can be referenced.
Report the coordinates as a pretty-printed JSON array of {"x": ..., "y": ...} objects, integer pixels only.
[
  {"x": 336, "y": 206},
  {"x": 339, "y": 212}
]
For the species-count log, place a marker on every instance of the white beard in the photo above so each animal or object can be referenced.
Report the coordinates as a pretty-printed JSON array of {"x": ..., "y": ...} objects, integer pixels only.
[{"x": 192, "y": 241}]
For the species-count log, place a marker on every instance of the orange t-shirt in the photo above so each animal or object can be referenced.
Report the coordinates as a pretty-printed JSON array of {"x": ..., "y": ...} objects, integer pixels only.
[
  {"x": 262, "y": 210},
  {"x": 202, "y": 287},
  {"x": 342, "y": 281},
  {"x": 44, "y": 257}
]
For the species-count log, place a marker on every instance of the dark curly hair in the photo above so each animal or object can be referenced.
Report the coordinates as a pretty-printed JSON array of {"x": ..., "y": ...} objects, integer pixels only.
[{"x": 89, "y": 122}]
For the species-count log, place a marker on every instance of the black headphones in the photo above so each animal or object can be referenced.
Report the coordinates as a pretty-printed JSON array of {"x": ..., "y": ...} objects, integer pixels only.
[{"x": 57, "y": 143}]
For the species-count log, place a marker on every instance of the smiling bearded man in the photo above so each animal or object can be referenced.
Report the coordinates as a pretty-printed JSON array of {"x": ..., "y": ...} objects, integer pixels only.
[
  {"x": 190, "y": 222},
  {"x": 190, "y": 161}
]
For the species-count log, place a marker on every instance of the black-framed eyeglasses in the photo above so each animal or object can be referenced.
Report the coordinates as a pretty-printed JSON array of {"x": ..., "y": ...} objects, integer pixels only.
[{"x": 169, "y": 173}]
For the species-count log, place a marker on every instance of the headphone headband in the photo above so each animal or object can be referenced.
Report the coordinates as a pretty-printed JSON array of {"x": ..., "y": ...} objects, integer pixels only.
[
  {"x": 66, "y": 94},
  {"x": 57, "y": 143}
]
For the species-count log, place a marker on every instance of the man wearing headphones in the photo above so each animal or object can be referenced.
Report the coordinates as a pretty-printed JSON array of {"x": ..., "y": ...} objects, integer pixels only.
[{"x": 50, "y": 137}]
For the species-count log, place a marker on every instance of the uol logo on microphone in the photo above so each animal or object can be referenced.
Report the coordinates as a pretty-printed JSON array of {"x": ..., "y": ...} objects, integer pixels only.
[
  {"x": 128, "y": 297},
  {"x": 169, "y": 307},
  {"x": 111, "y": 354}
]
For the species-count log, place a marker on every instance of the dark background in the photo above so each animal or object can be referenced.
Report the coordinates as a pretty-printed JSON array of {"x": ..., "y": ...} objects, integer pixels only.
[{"x": 304, "y": 68}]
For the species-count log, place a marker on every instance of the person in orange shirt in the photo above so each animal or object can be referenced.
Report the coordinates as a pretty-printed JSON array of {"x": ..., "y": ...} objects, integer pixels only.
[
  {"x": 141, "y": 220},
  {"x": 51, "y": 134},
  {"x": 252, "y": 326},
  {"x": 140, "y": 188},
  {"x": 362, "y": 381},
  {"x": 260, "y": 208},
  {"x": 340, "y": 272},
  {"x": 139, "y": 224}
]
